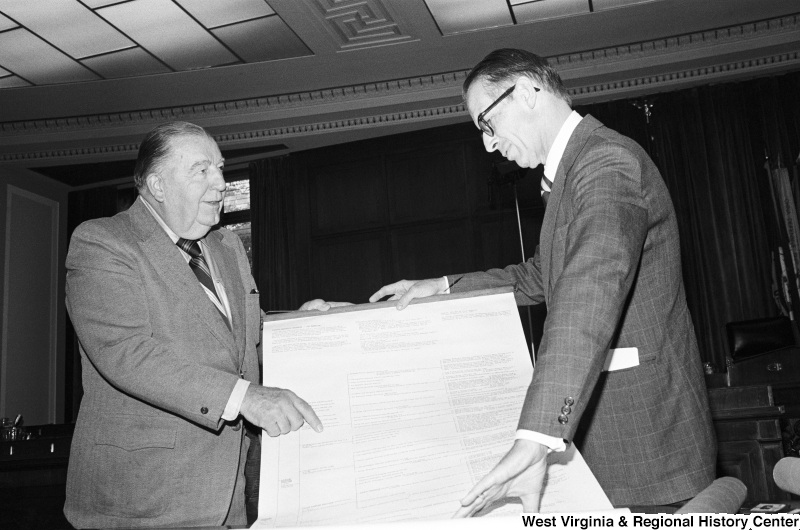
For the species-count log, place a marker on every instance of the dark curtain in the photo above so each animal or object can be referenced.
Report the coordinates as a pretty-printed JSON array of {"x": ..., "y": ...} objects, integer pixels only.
[
  {"x": 710, "y": 144},
  {"x": 272, "y": 228}
]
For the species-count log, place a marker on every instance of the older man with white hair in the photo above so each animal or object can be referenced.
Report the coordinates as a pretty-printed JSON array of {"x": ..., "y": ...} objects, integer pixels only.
[{"x": 168, "y": 318}]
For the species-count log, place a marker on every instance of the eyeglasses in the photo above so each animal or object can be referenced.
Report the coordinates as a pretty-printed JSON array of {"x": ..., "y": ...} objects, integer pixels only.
[{"x": 483, "y": 125}]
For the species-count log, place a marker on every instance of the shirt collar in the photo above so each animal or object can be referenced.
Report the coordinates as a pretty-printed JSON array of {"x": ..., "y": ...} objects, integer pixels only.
[
  {"x": 560, "y": 144},
  {"x": 172, "y": 235}
]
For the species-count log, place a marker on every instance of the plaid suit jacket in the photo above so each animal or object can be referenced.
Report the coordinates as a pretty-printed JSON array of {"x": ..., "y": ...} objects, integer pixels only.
[
  {"x": 158, "y": 366},
  {"x": 608, "y": 266}
]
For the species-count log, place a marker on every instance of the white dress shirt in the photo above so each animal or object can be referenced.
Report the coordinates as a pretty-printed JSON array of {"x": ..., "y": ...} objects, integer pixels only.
[{"x": 559, "y": 145}]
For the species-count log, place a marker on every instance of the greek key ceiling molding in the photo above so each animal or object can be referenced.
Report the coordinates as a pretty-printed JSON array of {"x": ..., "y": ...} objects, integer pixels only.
[
  {"x": 360, "y": 23},
  {"x": 597, "y": 75}
]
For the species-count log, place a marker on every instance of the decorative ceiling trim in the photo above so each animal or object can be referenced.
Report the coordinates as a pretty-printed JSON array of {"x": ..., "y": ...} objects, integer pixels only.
[
  {"x": 747, "y": 50},
  {"x": 281, "y": 106},
  {"x": 748, "y": 68},
  {"x": 708, "y": 41},
  {"x": 227, "y": 140},
  {"x": 70, "y": 153}
]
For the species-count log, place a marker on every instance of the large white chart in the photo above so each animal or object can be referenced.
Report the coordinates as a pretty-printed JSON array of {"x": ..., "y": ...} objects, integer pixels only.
[{"x": 417, "y": 405}]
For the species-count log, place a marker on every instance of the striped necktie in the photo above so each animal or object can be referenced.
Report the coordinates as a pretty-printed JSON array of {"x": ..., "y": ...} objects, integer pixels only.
[
  {"x": 200, "y": 268},
  {"x": 547, "y": 185}
]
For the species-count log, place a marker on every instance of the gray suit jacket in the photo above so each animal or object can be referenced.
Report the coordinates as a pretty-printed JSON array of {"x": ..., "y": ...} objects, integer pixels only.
[
  {"x": 608, "y": 266},
  {"x": 159, "y": 365}
]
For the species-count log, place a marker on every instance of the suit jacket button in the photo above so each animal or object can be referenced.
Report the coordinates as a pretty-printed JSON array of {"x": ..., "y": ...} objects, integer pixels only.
[
  {"x": 569, "y": 402},
  {"x": 562, "y": 419},
  {"x": 566, "y": 409},
  {"x": 204, "y": 410},
  {"x": 236, "y": 426}
]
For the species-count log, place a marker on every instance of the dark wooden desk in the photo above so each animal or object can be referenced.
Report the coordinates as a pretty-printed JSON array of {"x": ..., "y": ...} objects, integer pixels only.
[
  {"x": 754, "y": 425},
  {"x": 33, "y": 477}
]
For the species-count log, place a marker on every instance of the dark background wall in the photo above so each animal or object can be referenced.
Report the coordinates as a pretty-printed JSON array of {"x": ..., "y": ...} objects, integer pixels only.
[{"x": 408, "y": 206}]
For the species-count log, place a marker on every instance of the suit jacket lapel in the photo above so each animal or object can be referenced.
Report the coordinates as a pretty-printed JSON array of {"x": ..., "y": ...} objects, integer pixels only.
[
  {"x": 574, "y": 147},
  {"x": 548, "y": 230},
  {"x": 228, "y": 270},
  {"x": 168, "y": 261}
]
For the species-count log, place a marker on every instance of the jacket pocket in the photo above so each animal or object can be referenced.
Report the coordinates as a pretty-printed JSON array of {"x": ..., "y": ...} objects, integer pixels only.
[{"x": 134, "y": 463}]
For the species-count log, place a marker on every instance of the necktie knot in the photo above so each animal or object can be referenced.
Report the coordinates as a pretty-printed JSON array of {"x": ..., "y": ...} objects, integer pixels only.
[
  {"x": 201, "y": 271},
  {"x": 189, "y": 246}
]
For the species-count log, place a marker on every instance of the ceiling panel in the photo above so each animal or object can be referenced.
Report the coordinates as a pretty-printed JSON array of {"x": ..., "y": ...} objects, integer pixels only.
[
  {"x": 100, "y": 3},
  {"x": 65, "y": 24},
  {"x": 33, "y": 59},
  {"x": 215, "y": 13},
  {"x": 166, "y": 31},
  {"x": 126, "y": 63},
  {"x": 544, "y": 9},
  {"x": 599, "y": 5},
  {"x": 458, "y": 16},
  {"x": 263, "y": 39},
  {"x": 6, "y": 23},
  {"x": 12, "y": 81}
]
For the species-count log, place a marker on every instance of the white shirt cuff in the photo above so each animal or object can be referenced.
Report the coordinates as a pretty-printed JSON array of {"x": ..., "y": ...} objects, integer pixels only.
[
  {"x": 231, "y": 411},
  {"x": 556, "y": 445}
]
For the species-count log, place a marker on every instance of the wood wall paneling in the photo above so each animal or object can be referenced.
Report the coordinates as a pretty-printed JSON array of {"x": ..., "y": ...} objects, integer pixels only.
[
  {"x": 348, "y": 268},
  {"x": 410, "y": 206},
  {"x": 347, "y": 195},
  {"x": 428, "y": 183},
  {"x": 432, "y": 250},
  {"x": 498, "y": 235}
]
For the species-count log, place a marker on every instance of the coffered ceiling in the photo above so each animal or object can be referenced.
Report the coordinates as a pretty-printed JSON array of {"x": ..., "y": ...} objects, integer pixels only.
[{"x": 82, "y": 80}]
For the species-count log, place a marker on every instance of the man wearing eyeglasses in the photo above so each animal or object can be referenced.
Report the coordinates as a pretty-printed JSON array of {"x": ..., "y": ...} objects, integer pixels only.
[{"x": 618, "y": 367}]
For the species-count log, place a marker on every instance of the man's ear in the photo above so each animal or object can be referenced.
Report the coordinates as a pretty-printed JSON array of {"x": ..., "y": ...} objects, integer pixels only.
[
  {"x": 155, "y": 185},
  {"x": 527, "y": 89}
]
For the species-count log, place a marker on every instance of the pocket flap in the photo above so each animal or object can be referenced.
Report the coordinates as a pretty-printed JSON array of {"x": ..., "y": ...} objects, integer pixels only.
[{"x": 138, "y": 432}]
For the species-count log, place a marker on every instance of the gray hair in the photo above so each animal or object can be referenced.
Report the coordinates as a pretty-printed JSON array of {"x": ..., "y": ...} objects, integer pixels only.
[{"x": 155, "y": 148}]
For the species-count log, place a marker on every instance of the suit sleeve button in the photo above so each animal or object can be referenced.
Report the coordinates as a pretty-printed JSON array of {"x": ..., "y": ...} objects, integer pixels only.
[
  {"x": 204, "y": 410},
  {"x": 566, "y": 409},
  {"x": 569, "y": 401},
  {"x": 562, "y": 419}
]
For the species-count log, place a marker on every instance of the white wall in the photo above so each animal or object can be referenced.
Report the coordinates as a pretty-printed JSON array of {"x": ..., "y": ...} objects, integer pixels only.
[{"x": 33, "y": 241}]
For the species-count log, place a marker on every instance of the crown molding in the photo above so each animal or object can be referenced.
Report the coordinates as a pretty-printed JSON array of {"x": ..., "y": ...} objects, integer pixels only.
[
  {"x": 260, "y": 136},
  {"x": 310, "y": 119}
]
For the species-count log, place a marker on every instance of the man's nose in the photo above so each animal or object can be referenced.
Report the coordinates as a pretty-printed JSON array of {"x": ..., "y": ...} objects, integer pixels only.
[
  {"x": 217, "y": 180},
  {"x": 489, "y": 142}
]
